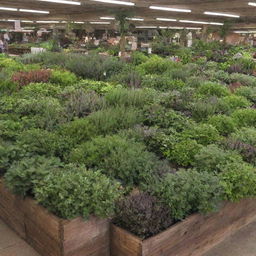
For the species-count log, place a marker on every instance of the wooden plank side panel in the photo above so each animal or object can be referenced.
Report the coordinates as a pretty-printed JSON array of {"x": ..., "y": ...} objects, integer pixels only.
[
  {"x": 41, "y": 241},
  {"x": 11, "y": 210},
  {"x": 45, "y": 221},
  {"x": 92, "y": 234},
  {"x": 197, "y": 234},
  {"x": 99, "y": 246},
  {"x": 124, "y": 243}
]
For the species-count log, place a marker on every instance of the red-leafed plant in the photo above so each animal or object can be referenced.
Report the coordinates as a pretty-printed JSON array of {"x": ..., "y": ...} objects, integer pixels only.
[{"x": 33, "y": 76}]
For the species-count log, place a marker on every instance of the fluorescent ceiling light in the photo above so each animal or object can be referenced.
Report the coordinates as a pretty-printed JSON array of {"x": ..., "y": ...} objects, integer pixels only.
[
  {"x": 165, "y": 19},
  {"x": 11, "y": 20},
  {"x": 78, "y": 22},
  {"x": 245, "y": 32},
  {"x": 222, "y": 14},
  {"x": 146, "y": 27},
  {"x": 33, "y": 11},
  {"x": 135, "y": 19},
  {"x": 216, "y": 23},
  {"x": 195, "y": 22},
  {"x": 202, "y": 22},
  {"x": 107, "y": 18},
  {"x": 61, "y": 2},
  {"x": 47, "y": 21},
  {"x": 168, "y": 9},
  {"x": 9, "y": 9},
  {"x": 27, "y": 21},
  {"x": 115, "y": 2},
  {"x": 100, "y": 22},
  {"x": 252, "y": 3},
  {"x": 192, "y": 28}
]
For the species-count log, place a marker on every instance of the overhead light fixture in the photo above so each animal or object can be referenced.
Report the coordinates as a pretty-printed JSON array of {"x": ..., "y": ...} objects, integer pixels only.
[
  {"x": 165, "y": 19},
  {"x": 192, "y": 28},
  {"x": 100, "y": 22},
  {"x": 107, "y": 18},
  {"x": 252, "y": 3},
  {"x": 61, "y": 2},
  {"x": 11, "y": 20},
  {"x": 78, "y": 22},
  {"x": 217, "y": 23},
  {"x": 161, "y": 8},
  {"x": 148, "y": 27},
  {"x": 47, "y": 21},
  {"x": 135, "y": 19},
  {"x": 27, "y": 21},
  {"x": 8, "y": 9},
  {"x": 115, "y": 2},
  {"x": 222, "y": 14},
  {"x": 194, "y": 22},
  {"x": 245, "y": 31},
  {"x": 34, "y": 11}
]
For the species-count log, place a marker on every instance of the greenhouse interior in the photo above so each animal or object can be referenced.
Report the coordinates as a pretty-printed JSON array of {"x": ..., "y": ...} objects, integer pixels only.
[{"x": 127, "y": 128}]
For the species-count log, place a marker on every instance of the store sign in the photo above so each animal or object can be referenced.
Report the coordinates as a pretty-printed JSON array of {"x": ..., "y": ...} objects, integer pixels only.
[{"x": 17, "y": 25}]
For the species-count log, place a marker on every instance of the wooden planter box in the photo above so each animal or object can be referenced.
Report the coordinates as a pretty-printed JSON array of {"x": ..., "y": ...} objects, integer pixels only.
[
  {"x": 50, "y": 235},
  {"x": 191, "y": 237}
]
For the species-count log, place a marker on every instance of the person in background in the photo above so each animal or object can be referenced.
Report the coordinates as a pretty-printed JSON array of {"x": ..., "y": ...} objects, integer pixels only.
[{"x": 1, "y": 44}]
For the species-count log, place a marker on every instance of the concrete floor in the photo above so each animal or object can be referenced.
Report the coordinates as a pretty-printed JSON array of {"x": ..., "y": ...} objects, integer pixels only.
[{"x": 243, "y": 243}]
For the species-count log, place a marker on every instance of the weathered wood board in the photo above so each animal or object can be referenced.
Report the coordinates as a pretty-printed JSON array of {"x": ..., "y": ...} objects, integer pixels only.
[
  {"x": 50, "y": 235},
  {"x": 191, "y": 237}
]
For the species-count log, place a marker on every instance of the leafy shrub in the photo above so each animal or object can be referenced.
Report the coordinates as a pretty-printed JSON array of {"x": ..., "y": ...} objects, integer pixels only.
[
  {"x": 247, "y": 92},
  {"x": 75, "y": 191},
  {"x": 143, "y": 215},
  {"x": 9, "y": 129},
  {"x": 234, "y": 102},
  {"x": 40, "y": 90},
  {"x": 112, "y": 119},
  {"x": 245, "y": 117},
  {"x": 75, "y": 132},
  {"x": 187, "y": 192},
  {"x": 94, "y": 66},
  {"x": 119, "y": 158},
  {"x": 10, "y": 64},
  {"x": 38, "y": 141},
  {"x": 245, "y": 80},
  {"x": 212, "y": 89},
  {"x": 204, "y": 108},
  {"x": 213, "y": 159},
  {"x": 159, "y": 116},
  {"x": 138, "y": 58},
  {"x": 63, "y": 77},
  {"x": 245, "y": 135},
  {"x": 239, "y": 181},
  {"x": 224, "y": 124},
  {"x": 80, "y": 103},
  {"x": 203, "y": 133},
  {"x": 156, "y": 65},
  {"x": 162, "y": 82},
  {"x": 9, "y": 153},
  {"x": 23, "y": 175},
  {"x": 129, "y": 77},
  {"x": 43, "y": 112},
  {"x": 129, "y": 97},
  {"x": 98, "y": 86},
  {"x": 246, "y": 150},
  {"x": 33, "y": 76},
  {"x": 183, "y": 152}
]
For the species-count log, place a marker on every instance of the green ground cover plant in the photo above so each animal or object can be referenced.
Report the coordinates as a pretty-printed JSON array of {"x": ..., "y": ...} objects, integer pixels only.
[{"x": 147, "y": 141}]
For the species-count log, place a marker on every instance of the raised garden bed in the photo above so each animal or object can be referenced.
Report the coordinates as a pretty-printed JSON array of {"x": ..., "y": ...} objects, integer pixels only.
[
  {"x": 50, "y": 235},
  {"x": 191, "y": 237}
]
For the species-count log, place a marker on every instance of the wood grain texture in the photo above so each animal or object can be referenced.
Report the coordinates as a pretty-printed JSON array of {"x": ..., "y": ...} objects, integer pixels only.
[
  {"x": 191, "y": 237},
  {"x": 50, "y": 235}
]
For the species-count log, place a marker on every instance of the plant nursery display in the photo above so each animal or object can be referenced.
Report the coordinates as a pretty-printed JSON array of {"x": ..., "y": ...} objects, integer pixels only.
[{"x": 153, "y": 144}]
